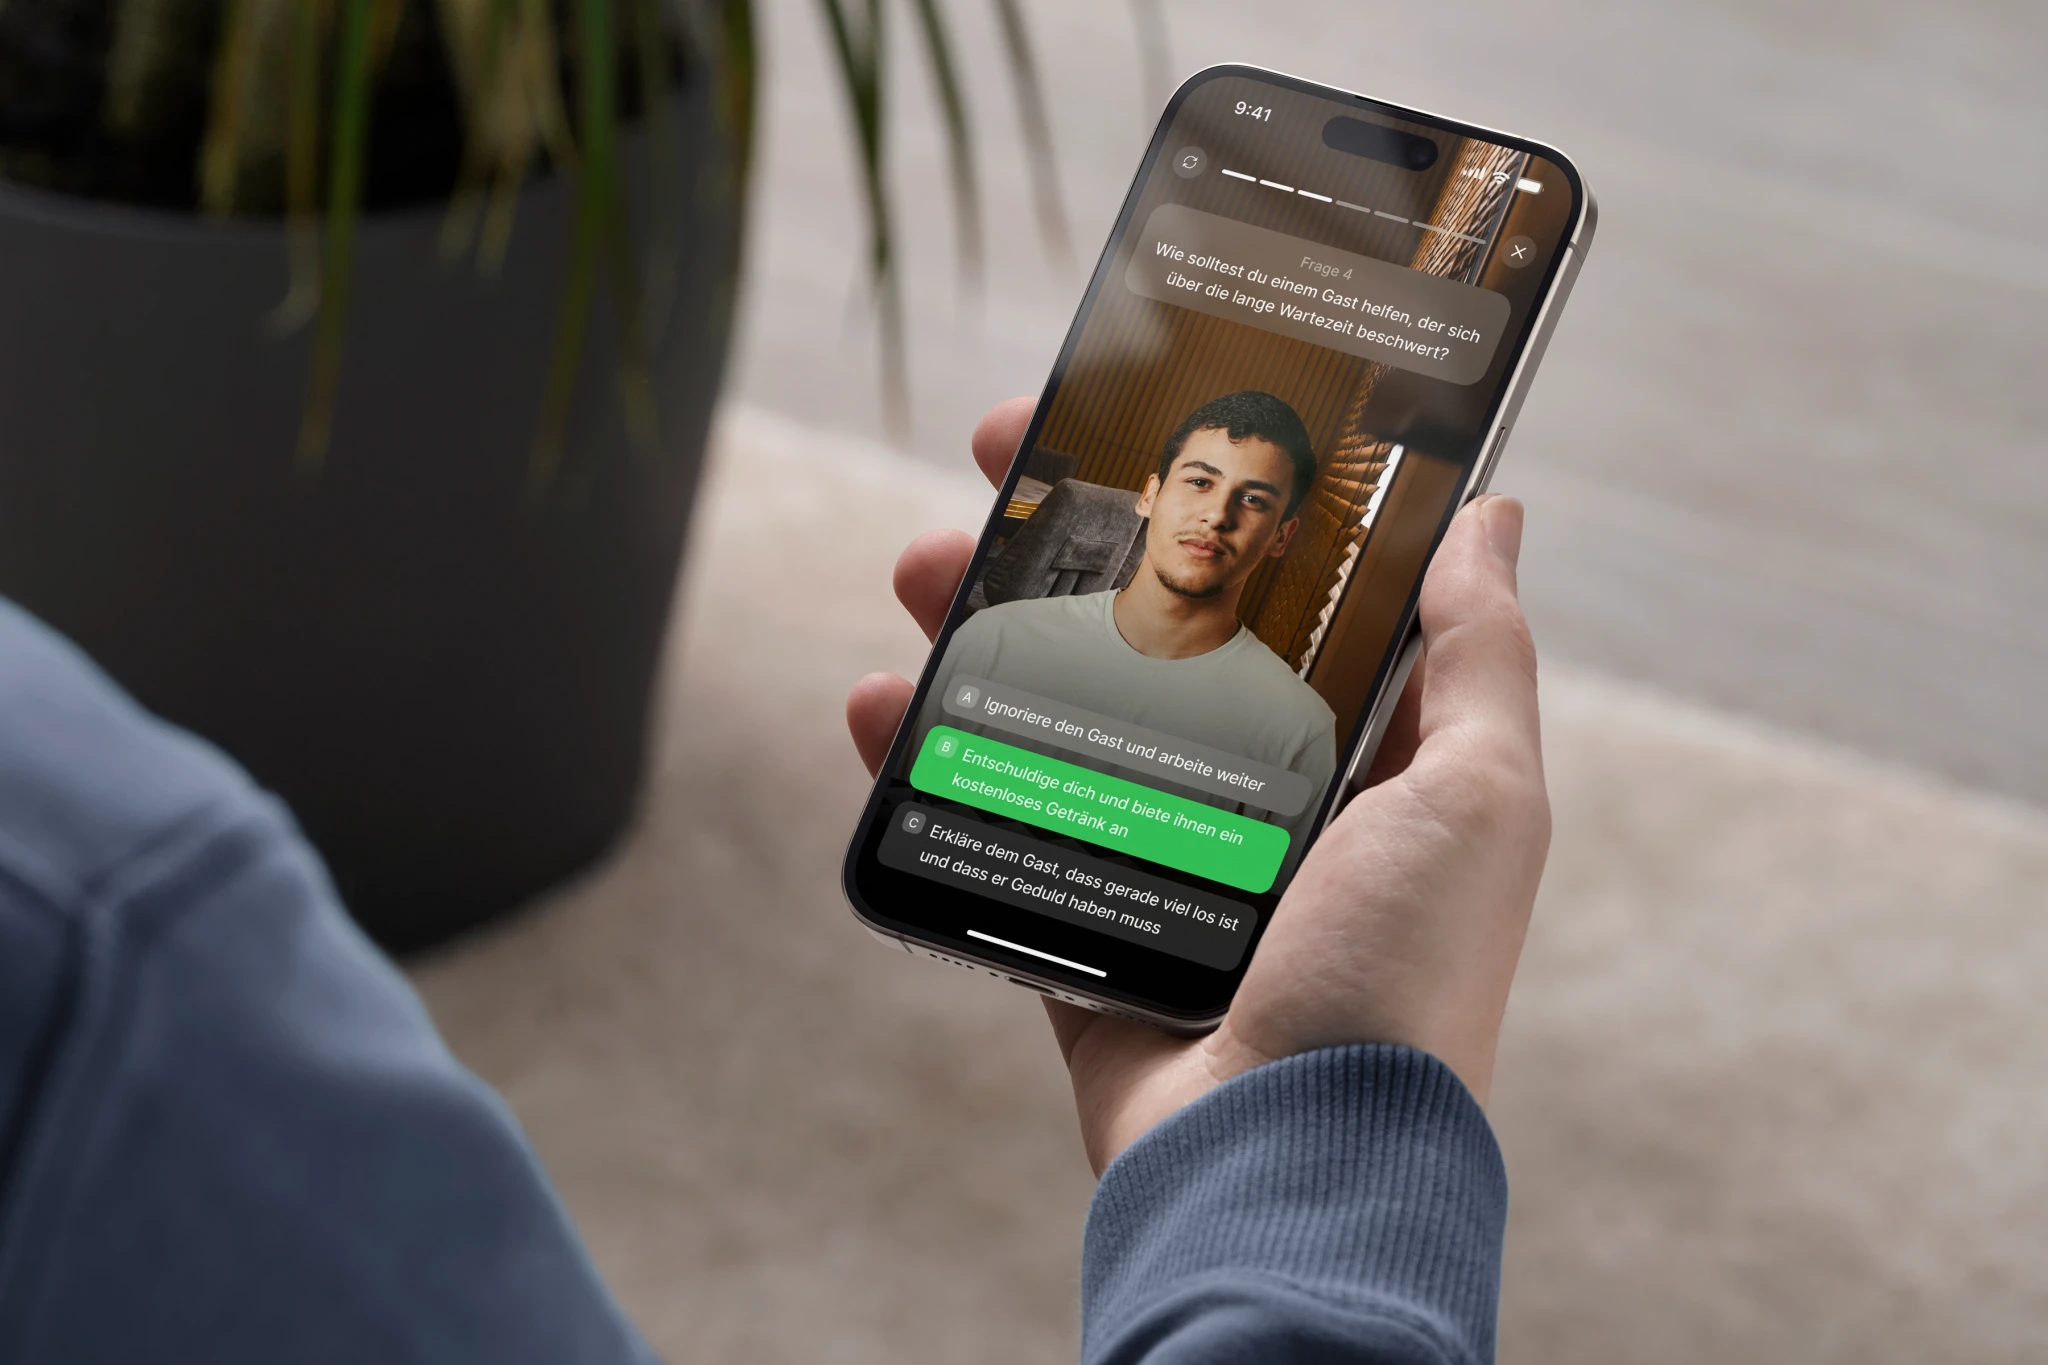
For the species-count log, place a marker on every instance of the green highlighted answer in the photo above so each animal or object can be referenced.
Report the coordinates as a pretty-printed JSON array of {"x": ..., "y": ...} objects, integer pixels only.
[{"x": 1126, "y": 816}]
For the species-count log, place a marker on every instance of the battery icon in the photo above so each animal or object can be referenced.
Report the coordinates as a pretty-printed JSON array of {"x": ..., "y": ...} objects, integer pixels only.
[{"x": 1528, "y": 186}]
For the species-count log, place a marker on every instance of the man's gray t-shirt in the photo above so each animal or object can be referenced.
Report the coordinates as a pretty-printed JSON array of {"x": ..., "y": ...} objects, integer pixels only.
[{"x": 1240, "y": 698}]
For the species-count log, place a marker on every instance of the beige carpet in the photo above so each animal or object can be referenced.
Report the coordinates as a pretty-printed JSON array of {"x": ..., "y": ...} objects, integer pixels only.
[{"x": 1775, "y": 1085}]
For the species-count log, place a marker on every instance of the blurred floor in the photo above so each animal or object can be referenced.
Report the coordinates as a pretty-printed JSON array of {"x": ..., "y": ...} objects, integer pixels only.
[
  {"x": 1787, "y": 452},
  {"x": 1771, "y": 1088}
]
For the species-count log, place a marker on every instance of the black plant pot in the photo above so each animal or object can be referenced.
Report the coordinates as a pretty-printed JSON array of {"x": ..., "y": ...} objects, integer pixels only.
[{"x": 446, "y": 674}]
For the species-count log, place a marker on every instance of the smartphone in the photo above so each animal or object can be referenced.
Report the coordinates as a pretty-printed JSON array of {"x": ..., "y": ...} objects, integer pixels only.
[{"x": 1192, "y": 607}]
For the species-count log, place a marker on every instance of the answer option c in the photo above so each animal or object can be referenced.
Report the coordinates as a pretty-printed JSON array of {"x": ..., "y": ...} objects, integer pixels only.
[{"x": 1074, "y": 888}]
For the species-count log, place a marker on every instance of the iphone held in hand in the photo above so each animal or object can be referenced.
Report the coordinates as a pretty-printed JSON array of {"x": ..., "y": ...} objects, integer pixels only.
[{"x": 1192, "y": 607}]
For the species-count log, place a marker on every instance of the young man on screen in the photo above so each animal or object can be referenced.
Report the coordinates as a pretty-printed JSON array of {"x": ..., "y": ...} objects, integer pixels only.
[{"x": 1168, "y": 651}]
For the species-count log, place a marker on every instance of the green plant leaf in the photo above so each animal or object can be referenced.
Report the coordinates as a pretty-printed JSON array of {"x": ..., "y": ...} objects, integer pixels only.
[
  {"x": 665, "y": 153},
  {"x": 220, "y": 155},
  {"x": 344, "y": 211},
  {"x": 535, "y": 87},
  {"x": 482, "y": 62},
  {"x": 858, "y": 48},
  {"x": 959, "y": 140},
  {"x": 385, "y": 17},
  {"x": 144, "y": 61},
  {"x": 600, "y": 239},
  {"x": 720, "y": 38},
  {"x": 1155, "y": 54},
  {"x": 271, "y": 65},
  {"x": 302, "y": 171},
  {"x": 602, "y": 109},
  {"x": 1045, "y": 181},
  {"x": 739, "y": 76}
]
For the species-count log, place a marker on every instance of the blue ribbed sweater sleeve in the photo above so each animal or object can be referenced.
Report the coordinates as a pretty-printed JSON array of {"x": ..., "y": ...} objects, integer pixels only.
[
  {"x": 228, "y": 1130},
  {"x": 1343, "y": 1206}
]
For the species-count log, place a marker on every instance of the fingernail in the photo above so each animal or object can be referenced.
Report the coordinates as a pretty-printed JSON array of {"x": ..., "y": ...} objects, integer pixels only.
[{"x": 1502, "y": 518}]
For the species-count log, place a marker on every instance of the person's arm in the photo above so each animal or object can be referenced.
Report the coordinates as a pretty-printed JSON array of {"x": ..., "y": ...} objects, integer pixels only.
[
  {"x": 238, "y": 1137},
  {"x": 1314, "y": 1181},
  {"x": 1345, "y": 1204}
]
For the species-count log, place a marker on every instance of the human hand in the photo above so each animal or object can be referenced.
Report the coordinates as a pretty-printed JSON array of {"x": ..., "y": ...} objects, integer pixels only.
[{"x": 1405, "y": 921}]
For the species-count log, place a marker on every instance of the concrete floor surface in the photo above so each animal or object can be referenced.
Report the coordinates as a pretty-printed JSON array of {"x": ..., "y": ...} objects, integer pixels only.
[{"x": 1770, "y": 1090}]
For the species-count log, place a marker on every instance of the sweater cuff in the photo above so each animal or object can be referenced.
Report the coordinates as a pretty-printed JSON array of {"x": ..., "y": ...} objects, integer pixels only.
[{"x": 1365, "y": 1176}]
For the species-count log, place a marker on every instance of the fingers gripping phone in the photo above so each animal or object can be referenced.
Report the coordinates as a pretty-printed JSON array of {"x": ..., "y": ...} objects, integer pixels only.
[{"x": 1193, "y": 604}]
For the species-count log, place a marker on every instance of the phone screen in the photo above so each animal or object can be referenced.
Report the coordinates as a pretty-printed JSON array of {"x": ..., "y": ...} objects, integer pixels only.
[{"x": 1288, "y": 364}]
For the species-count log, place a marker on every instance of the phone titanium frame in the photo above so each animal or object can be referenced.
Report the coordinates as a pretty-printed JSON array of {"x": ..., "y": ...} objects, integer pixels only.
[{"x": 1564, "y": 271}]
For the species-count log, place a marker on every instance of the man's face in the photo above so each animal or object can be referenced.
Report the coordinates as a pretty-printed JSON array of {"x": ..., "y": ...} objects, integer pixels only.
[{"x": 1218, "y": 513}]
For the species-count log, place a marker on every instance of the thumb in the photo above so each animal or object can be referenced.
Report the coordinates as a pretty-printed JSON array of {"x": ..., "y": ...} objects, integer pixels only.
[{"x": 1479, "y": 683}]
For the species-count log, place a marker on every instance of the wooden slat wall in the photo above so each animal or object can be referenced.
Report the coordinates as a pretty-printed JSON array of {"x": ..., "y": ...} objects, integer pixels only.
[
  {"x": 1363, "y": 630},
  {"x": 1301, "y": 587}
]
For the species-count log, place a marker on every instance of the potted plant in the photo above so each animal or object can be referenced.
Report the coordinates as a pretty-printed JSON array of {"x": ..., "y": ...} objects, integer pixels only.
[{"x": 356, "y": 362}]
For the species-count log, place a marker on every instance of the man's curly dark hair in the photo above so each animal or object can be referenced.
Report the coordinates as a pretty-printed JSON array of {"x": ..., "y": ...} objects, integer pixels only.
[{"x": 1250, "y": 412}]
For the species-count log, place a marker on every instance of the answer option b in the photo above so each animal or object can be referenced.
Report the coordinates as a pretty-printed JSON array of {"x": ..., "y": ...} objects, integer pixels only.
[{"x": 1159, "y": 827}]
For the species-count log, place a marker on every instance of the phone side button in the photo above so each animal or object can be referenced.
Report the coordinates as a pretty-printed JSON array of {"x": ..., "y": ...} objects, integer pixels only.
[
  {"x": 889, "y": 941},
  {"x": 1500, "y": 439}
]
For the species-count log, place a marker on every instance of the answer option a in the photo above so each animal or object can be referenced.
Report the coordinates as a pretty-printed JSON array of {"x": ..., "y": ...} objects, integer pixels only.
[
  {"x": 1129, "y": 817},
  {"x": 1290, "y": 285}
]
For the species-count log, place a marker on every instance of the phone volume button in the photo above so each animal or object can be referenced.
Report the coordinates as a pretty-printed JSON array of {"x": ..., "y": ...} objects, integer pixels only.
[{"x": 1500, "y": 439}]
